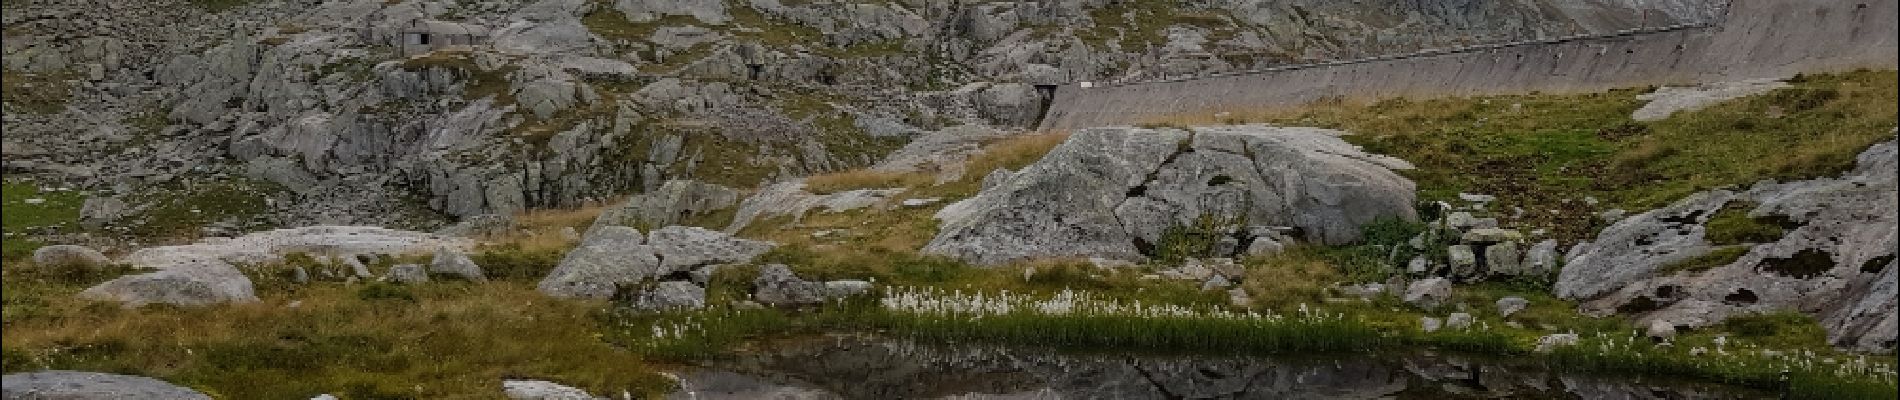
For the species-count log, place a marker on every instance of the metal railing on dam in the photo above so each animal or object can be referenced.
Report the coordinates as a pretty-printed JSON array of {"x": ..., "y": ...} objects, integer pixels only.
[{"x": 1754, "y": 39}]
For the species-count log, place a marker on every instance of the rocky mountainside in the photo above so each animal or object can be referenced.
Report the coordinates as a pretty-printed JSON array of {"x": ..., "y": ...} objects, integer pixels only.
[{"x": 411, "y": 113}]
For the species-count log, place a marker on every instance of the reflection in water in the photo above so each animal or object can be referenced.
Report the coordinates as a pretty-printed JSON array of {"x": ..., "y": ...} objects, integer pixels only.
[{"x": 855, "y": 367}]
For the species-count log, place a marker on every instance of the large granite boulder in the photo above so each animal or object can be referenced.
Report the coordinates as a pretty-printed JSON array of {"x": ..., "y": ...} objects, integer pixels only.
[
  {"x": 1113, "y": 192},
  {"x": 69, "y": 255},
  {"x": 206, "y": 273},
  {"x": 613, "y": 256},
  {"x": 1835, "y": 259},
  {"x": 78, "y": 385}
]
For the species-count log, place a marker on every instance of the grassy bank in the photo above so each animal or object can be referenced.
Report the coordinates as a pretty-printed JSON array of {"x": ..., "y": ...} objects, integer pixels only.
[
  {"x": 355, "y": 340},
  {"x": 1545, "y": 153}
]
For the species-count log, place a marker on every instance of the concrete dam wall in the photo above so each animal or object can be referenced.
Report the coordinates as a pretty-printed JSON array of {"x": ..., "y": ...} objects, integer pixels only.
[{"x": 1756, "y": 39}]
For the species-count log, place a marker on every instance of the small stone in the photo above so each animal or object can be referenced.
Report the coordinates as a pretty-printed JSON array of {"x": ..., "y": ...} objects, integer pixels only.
[
  {"x": 1459, "y": 321},
  {"x": 1239, "y": 298},
  {"x": 1491, "y": 235},
  {"x": 1612, "y": 215},
  {"x": 408, "y": 274},
  {"x": 1215, "y": 283},
  {"x": 1264, "y": 246},
  {"x": 299, "y": 275},
  {"x": 1551, "y": 342},
  {"x": 1511, "y": 305},
  {"x": 1418, "y": 266},
  {"x": 1477, "y": 198},
  {"x": 1428, "y": 293},
  {"x": 919, "y": 203},
  {"x": 1661, "y": 331},
  {"x": 1430, "y": 324},
  {"x": 846, "y": 288},
  {"x": 1226, "y": 246}
]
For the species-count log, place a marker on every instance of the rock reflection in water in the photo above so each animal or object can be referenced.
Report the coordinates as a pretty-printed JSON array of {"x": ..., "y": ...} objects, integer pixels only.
[{"x": 850, "y": 367}]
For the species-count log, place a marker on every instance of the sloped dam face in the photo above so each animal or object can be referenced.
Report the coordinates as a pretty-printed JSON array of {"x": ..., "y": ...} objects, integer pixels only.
[{"x": 857, "y": 367}]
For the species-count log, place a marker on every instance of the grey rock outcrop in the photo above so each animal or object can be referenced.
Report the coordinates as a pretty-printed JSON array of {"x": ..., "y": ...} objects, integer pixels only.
[
  {"x": 69, "y": 255},
  {"x": 607, "y": 257},
  {"x": 669, "y": 205},
  {"x": 613, "y": 256},
  {"x": 671, "y": 295},
  {"x": 77, "y": 385},
  {"x": 1835, "y": 259},
  {"x": 1667, "y": 101},
  {"x": 778, "y": 286},
  {"x": 1109, "y": 192}
]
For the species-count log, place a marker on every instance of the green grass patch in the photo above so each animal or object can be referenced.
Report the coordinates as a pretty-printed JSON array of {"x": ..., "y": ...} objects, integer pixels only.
[
  {"x": 1715, "y": 258},
  {"x": 1542, "y": 153},
  {"x": 51, "y": 211},
  {"x": 1732, "y": 225},
  {"x": 178, "y": 209}
]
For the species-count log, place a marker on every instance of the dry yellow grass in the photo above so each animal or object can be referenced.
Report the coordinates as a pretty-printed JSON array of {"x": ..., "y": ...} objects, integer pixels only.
[
  {"x": 440, "y": 340},
  {"x": 1297, "y": 275}
]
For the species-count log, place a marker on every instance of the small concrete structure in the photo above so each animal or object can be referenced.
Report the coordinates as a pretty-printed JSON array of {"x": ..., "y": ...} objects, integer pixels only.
[{"x": 423, "y": 36}]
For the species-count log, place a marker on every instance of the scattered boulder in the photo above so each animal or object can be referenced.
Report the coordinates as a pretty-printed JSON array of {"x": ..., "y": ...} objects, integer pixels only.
[
  {"x": 1464, "y": 261},
  {"x": 200, "y": 283},
  {"x": 1459, "y": 321},
  {"x": 517, "y": 389},
  {"x": 1503, "y": 259},
  {"x": 1491, "y": 235},
  {"x": 612, "y": 256},
  {"x": 1111, "y": 192},
  {"x": 61, "y": 385},
  {"x": 1430, "y": 324},
  {"x": 1511, "y": 305},
  {"x": 670, "y": 295},
  {"x": 1541, "y": 260},
  {"x": 454, "y": 263},
  {"x": 69, "y": 255},
  {"x": 684, "y": 247},
  {"x": 1428, "y": 293},
  {"x": 778, "y": 286},
  {"x": 408, "y": 274}
]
